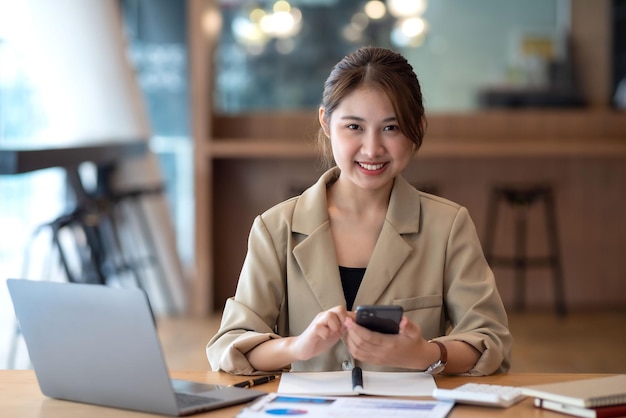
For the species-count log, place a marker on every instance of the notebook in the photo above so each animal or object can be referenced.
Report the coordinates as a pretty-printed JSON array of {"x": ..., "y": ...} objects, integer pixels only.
[
  {"x": 96, "y": 344},
  {"x": 340, "y": 383},
  {"x": 579, "y": 411},
  {"x": 586, "y": 393}
]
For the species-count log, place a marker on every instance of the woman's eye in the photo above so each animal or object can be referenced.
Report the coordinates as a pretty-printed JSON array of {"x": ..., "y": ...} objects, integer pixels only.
[
  {"x": 353, "y": 126},
  {"x": 391, "y": 128}
]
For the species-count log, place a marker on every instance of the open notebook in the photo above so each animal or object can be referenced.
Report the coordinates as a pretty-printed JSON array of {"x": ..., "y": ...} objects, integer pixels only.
[{"x": 341, "y": 383}]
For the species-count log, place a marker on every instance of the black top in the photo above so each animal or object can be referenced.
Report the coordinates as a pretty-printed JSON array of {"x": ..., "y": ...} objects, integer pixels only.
[{"x": 351, "y": 278}]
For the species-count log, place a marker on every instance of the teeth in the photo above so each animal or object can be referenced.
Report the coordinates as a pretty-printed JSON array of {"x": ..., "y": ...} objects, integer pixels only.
[{"x": 371, "y": 167}]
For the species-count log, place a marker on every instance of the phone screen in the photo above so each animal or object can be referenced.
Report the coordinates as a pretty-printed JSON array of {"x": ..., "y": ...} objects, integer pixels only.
[{"x": 380, "y": 318}]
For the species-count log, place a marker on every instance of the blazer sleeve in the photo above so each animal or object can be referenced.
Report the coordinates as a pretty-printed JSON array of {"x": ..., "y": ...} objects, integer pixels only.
[
  {"x": 473, "y": 303},
  {"x": 251, "y": 316}
]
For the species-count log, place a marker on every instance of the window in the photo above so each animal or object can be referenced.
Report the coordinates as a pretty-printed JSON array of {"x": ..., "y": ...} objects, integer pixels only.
[
  {"x": 30, "y": 200},
  {"x": 457, "y": 47}
]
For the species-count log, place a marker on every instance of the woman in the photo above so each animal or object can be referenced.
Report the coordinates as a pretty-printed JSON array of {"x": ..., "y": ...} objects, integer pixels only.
[{"x": 362, "y": 236}]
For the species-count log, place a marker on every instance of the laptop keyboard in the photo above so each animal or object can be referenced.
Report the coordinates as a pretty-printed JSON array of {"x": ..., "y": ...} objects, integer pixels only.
[{"x": 185, "y": 400}]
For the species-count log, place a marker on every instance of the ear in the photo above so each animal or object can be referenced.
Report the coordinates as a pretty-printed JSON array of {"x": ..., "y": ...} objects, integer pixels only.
[{"x": 323, "y": 123}]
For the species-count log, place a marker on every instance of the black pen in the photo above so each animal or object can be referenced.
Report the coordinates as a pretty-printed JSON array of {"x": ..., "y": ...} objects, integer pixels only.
[
  {"x": 256, "y": 382},
  {"x": 357, "y": 379}
]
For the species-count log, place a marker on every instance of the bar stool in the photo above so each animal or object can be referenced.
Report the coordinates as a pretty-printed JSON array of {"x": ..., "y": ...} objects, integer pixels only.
[{"x": 521, "y": 197}]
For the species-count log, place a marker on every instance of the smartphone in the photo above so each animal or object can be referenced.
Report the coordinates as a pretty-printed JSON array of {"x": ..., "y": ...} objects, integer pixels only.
[{"x": 380, "y": 318}]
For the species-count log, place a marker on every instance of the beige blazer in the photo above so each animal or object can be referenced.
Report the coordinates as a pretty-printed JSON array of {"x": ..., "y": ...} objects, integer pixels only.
[{"x": 428, "y": 259}]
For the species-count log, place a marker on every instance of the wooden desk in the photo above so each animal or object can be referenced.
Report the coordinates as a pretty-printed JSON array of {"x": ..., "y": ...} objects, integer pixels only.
[{"x": 21, "y": 397}]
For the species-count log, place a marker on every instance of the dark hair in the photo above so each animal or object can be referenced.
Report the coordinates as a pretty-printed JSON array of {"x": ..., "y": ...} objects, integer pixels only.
[{"x": 384, "y": 69}]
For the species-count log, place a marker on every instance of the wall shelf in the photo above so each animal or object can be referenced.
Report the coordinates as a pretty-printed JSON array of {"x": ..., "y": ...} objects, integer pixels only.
[{"x": 441, "y": 148}]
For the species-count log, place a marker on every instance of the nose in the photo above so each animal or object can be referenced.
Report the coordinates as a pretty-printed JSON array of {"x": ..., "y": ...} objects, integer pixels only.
[{"x": 372, "y": 145}]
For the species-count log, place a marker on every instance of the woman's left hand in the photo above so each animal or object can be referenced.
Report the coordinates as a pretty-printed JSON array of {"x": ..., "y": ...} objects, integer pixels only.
[{"x": 407, "y": 349}]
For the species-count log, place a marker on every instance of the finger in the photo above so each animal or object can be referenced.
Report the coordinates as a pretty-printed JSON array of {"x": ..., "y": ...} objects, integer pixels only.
[
  {"x": 362, "y": 339},
  {"x": 409, "y": 329},
  {"x": 340, "y": 311},
  {"x": 405, "y": 325},
  {"x": 334, "y": 322}
]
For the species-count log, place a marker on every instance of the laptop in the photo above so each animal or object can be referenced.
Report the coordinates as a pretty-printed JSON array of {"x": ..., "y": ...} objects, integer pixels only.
[{"x": 98, "y": 345}]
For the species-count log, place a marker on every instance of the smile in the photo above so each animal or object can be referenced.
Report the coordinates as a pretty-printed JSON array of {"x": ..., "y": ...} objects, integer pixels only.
[{"x": 371, "y": 167}]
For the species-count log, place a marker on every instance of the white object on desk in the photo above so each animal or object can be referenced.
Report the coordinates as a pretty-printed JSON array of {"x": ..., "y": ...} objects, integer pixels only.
[
  {"x": 481, "y": 394},
  {"x": 601, "y": 391}
]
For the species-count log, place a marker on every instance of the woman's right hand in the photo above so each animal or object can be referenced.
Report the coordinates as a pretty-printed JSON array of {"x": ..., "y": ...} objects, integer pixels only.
[{"x": 322, "y": 333}]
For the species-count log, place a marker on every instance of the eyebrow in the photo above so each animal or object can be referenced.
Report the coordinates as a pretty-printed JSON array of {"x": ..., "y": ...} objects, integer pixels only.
[{"x": 358, "y": 118}]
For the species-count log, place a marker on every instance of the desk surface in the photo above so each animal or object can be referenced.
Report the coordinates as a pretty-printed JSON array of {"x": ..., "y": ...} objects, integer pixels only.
[{"x": 22, "y": 398}]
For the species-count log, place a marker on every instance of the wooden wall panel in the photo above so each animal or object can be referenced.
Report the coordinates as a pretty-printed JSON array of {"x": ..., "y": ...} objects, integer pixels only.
[{"x": 590, "y": 195}]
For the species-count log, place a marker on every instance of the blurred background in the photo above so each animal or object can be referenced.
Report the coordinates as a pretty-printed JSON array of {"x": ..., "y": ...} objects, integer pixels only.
[{"x": 224, "y": 95}]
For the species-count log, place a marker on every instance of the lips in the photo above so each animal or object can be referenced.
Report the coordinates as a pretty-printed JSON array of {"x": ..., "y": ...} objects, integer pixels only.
[{"x": 371, "y": 167}]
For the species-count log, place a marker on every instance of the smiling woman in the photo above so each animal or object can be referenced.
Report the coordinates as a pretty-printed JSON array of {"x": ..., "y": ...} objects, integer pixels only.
[
  {"x": 366, "y": 141},
  {"x": 361, "y": 235}
]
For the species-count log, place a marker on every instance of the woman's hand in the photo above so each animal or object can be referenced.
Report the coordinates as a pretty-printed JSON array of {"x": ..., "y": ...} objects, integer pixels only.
[
  {"x": 322, "y": 333},
  {"x": 407, "y": 349}
]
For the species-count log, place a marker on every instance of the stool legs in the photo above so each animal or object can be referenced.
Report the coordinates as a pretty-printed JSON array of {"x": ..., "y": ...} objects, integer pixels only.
[
  {"x": 521, "y": 200},
  {"x": 555, "y": 251},
  {"x": 492, "y": 221},
  {"x": 520, "y": 261}
]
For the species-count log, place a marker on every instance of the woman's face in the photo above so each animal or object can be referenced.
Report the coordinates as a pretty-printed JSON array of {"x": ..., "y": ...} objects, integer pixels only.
[{"x": 366, "y": 140}]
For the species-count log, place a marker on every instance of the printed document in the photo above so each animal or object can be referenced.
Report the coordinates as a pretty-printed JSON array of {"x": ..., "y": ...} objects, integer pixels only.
[{"x": 344, "y": 407}]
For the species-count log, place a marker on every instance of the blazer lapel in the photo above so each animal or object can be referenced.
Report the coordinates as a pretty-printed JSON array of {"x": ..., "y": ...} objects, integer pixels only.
[
  {"x": 315, "y": 254},
  {"x": 391, "y": 249},
  {"x": 317, "y": 260},
  {"x": 389, "y": 254}
]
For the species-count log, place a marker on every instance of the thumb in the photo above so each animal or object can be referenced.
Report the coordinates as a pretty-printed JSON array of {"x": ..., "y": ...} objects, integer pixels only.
[{"x": 408, "y": 328}]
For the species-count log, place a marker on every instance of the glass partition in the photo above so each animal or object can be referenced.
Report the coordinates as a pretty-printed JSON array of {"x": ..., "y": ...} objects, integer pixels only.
[{"x": 275, "y": 55}]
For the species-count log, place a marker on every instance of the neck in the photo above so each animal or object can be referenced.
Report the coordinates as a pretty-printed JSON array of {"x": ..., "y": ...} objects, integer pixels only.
[{"x": 348, "y": 198}]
